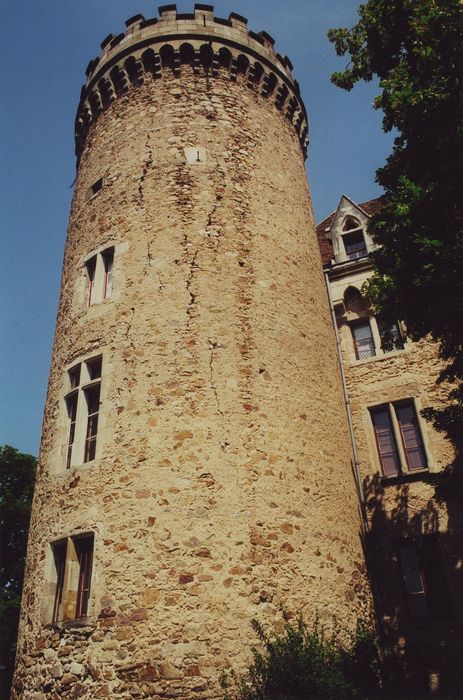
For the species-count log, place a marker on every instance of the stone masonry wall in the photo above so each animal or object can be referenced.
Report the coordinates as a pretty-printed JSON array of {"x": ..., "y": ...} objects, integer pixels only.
[
  {"x": 222, "y": 489},
  {"x": 406, "y": 507}
]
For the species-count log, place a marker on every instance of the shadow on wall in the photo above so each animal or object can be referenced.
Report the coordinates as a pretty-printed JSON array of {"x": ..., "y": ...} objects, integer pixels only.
[{"x": 417, "y": 574}]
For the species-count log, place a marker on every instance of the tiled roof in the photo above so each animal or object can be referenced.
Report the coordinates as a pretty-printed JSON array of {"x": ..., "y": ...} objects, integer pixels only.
[{"x": 371, "y": 207}]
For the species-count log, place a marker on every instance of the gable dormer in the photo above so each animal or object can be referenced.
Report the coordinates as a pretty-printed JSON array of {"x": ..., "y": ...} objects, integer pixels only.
[{"x": 346, "y": 230}]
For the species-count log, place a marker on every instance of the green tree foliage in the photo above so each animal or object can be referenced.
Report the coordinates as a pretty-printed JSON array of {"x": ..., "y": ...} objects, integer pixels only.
[
  {"x": 17, "y": 472},
  {"x": 415, "y": 49},
  {"x": 305, "y": 664}
]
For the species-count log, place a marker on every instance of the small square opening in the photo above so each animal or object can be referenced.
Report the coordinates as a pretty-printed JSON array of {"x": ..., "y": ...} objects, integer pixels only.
[{"x": 96, "y": 187}]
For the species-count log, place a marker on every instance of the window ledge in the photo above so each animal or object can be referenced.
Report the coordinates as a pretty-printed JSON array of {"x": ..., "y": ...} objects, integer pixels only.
[
  {"x": 405, "y": 477},
  {"x": 71, "y": 472},
  {"x": 384, "y": 356},
  {"x": 81, "y": 623}
]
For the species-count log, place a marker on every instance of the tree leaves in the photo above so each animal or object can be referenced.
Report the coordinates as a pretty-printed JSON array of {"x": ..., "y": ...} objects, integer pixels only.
[
  {"x": 17, "y": 476},
  {"x": 415, "y": 48}
]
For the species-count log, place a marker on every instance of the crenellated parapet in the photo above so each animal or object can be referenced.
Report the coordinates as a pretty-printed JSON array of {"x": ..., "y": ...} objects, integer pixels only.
[{"x": 149, "y": 48}]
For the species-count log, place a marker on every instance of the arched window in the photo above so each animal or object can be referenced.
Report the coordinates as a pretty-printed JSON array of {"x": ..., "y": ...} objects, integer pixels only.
[
  {"x": 353, "y": 239},
  {"x": 350, "y": 223},
  {"x": 354, "y": 301}
]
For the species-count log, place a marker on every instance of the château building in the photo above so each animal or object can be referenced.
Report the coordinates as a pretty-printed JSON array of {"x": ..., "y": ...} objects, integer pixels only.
[{"x": 414, "y": 539}]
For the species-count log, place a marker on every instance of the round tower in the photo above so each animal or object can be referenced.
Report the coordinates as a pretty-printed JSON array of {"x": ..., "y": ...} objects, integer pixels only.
[{"x": 195, "y": 468}]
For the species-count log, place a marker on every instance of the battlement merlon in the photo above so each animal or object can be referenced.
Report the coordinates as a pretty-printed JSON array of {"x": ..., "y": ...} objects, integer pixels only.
[{"x": 147, "y": 44}]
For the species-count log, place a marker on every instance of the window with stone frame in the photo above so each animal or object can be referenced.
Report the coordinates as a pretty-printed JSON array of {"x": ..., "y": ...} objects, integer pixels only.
[
  {"x": 362, "y": 336},
  {"x": 72, "y": 563},
  {"x": 99, "y": 273},
  {"x": 353, "y": 239},
  {"x": 372, "y": 338},
  {"x": 95, "y": 188},
  {"x": 398, "y": 436},
  {"x": 423, "y": 577},
  {"x": 391, "y": 336},
  {"x": 83, "y": 408}
]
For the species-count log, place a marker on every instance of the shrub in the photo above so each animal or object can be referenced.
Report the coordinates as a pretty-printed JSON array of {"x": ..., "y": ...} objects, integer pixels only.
[{"x": 305, "y": 664}]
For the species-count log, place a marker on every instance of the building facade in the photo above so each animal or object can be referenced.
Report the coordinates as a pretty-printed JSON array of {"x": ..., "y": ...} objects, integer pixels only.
[
  {"x": 414, "y": 539},
  {"x": 196, "y": 466}
]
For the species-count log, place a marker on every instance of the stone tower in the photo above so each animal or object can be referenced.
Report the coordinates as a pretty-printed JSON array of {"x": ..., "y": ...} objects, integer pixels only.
[{"x": 196, "y": 467}]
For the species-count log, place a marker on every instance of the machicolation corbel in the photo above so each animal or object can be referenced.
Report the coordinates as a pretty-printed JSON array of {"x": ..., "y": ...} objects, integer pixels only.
[{"x": 150, "y": 48}]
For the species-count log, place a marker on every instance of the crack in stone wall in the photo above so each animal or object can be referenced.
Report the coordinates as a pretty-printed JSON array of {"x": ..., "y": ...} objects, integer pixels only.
[
  {"x": 149, "y": 267},
  {"x": 147, "y": 164},
  {"x": 189, "y": 282}
]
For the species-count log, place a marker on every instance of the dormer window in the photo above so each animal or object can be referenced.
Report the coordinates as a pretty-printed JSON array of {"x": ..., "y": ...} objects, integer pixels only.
[{"x": 353, "y": 239}]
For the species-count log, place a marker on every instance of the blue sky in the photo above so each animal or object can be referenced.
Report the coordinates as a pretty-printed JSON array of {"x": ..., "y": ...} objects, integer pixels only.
[{"x": 46, "y": 46}]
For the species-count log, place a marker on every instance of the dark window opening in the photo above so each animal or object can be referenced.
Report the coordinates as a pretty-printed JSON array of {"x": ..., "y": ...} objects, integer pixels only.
[
  {"x": 90, "y": 267},
  {"x": 414, "y": 582},
  {"x": 108, "y": 261},
  {"x": 74, "y": 376},
  {"x": 424, "y": 579},
  {"x": 84, "y": 551},
  {"x": 71, "y": 402},
  {"x": 350, "y": 223},
  {"x": 354, "y": 244},
  {"x": 72, "y": 586},
  {"x": 97, "y": 186},
  {"x": 94, "y": 367},
  {"x": 59, "y": 560},
  {"x": 391, "y": 337},
  {"x": 92, "y": 396}
]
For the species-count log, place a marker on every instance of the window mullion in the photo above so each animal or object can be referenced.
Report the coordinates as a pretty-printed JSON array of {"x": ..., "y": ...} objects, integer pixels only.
[
  {"x": 398, "y": 438},
  {"x": 80, "y": 430},
  {"x": 99, "y": 278},
  {"x": 376, "y": 335}
]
